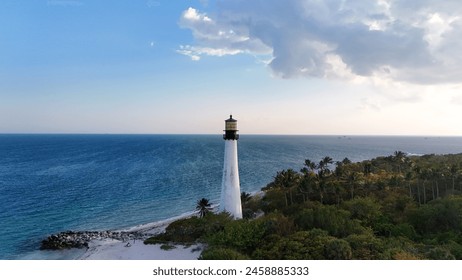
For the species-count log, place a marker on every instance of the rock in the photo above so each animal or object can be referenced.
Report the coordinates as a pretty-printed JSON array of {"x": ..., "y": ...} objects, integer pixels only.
[{"x": 81, "y": 239}]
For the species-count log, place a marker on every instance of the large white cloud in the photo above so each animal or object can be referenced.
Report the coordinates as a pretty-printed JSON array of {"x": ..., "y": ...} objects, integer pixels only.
[{"x": 414, "y": 41}]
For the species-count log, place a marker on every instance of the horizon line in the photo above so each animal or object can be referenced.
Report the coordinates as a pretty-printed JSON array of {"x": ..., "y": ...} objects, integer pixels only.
[{"x": 211, "y": 134}]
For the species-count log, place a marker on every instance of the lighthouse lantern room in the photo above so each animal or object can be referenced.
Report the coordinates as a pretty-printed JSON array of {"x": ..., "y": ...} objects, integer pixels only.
[{"x": 231, "y": 129}]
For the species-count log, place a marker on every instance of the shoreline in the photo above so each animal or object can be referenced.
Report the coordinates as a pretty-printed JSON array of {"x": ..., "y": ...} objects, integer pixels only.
[
  {"x": 135, "y": 249},
  {"x": 123, "y": 244}
]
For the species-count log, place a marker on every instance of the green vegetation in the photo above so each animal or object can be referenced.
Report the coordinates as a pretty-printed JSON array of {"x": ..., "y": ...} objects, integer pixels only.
[
  {"x": 167, "y": 247},
  {"x": 394, "y": 207}
]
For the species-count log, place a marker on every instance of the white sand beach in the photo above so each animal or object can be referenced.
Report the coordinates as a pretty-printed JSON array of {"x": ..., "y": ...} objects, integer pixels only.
[{"x": 137, "y": 250}]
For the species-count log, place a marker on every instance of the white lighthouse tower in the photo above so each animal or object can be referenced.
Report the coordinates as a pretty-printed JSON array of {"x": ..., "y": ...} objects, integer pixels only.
[{"x": 230, "y": 189}]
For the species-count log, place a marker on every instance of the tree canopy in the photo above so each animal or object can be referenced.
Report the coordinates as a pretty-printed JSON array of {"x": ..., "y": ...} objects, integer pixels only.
[{"x": 391, "y": 207}]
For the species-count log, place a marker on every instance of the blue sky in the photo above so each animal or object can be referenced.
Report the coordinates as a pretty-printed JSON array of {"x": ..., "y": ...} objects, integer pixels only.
[{"x": 280, "y": 67}]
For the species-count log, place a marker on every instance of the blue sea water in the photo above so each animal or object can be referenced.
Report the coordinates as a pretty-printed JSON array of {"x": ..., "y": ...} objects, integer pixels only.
[{"x": 53, "y": 183}]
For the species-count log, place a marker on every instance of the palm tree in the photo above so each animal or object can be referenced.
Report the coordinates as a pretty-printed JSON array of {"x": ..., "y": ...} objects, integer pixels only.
[
  {"x": 425, "y": 175},
  {"x": 337, "y": 190},
  {"x": 340, "y": 167},
  {"x": 367, "y": 169},
  {"x": 323, "y": 174},
  {"x": 399, "y": 157},
  {"x": 245, "y": 196},
  {"x": 418, "y": 172},
  {"x": 292, "y": 179},
  {"x": 287, "y": 180},
  {"x": 203, "y": 206},
  {"x": 309, "y": 167},
  {"x": 453, "y": 171},
  {"x": 352, "y": 180},
  {"x": 326, "y": 161},
  {"x": 346, "y": 161},
  {"x": 319, "y": 185},
  {"x": 435, "y": 175},
  {"x": 409, "y": 176},
  {"x": 323, "y": 167},
  {"x": 306, "y": 181}
]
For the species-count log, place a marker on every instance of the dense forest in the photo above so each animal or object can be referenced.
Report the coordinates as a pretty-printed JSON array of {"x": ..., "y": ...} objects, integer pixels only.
[{"x": 393, "y": 207}]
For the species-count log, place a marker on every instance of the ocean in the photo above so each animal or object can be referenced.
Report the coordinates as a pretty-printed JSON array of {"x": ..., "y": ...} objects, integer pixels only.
[{"x": 54, "y": 183}]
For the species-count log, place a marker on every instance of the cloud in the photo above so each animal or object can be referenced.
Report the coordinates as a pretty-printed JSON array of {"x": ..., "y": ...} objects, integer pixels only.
[
  {"x": 217, "y": 39},
  {"x": 195, "y": 53},
  {"x": 188, "y": 51},
  {"x": 413, "y": 41},
  {"x": 457, "y": 100},
  {"x": 192, "y": 15},
  {"x": 368, "y": 105}
]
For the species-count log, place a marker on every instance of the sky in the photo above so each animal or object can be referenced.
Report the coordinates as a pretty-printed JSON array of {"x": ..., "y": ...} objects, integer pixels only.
[{"x": 331, "y": 67}]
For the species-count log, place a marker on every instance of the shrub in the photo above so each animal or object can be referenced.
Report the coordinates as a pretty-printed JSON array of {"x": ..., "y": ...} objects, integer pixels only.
[
  {"x": 403, "y": 255},
  {"x": 365, "y": 246},
  {"x": 455, "y": 249},
  {"x": 438, "y": 216},
  {"x": 192, "y": 229},
  {"x": 217, "y": 253},
  {"x": 367, "y": 210},
  {"x": 439, "y": 253},
  {"x": 242, "y": 235},
  {"x": 276, "y": 223},
  {"x": 337, "y": 222},
  {"x": 302, "y": 245},
  {"x": 167, "y": 247},
  {"x": 405, "y": 230},
  {"x": 274, "y": 199},
  {"x": 337, "y": 249}
]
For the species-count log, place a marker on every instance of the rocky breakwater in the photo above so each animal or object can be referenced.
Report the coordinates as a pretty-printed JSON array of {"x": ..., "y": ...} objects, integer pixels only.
[{"x": 81, "y": 239}]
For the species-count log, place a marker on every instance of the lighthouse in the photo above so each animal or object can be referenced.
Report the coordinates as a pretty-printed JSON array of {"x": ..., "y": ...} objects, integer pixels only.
[{"x": 230, "y": 190}]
